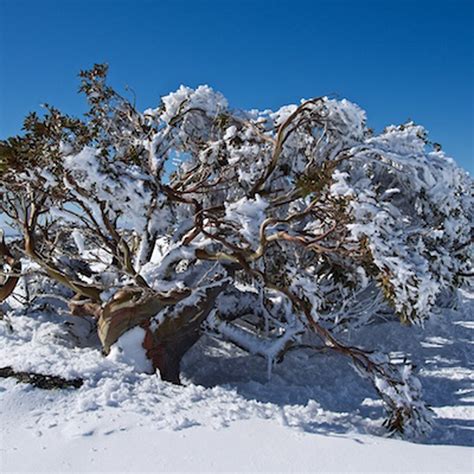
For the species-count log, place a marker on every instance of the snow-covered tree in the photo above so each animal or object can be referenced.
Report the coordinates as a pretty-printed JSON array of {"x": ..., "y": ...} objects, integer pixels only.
[{"x": 271, "y": 230}]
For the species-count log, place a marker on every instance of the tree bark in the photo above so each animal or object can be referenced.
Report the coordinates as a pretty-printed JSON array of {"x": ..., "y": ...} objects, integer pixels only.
[
  {"x": 167, "y": 344},
  {"x": 6, "y": 289}
]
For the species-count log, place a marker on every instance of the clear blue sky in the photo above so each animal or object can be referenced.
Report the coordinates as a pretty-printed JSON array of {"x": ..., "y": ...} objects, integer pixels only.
[{"x": 397, "y": 59}]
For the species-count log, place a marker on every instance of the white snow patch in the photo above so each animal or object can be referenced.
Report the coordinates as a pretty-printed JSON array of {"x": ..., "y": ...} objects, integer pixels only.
[
  {"x": 129, "y": 349},
  {"x": 79, "y": 241}
]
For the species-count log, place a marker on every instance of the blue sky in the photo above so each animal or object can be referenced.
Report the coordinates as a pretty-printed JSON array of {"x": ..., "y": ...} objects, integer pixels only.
[{"x": 397, "y": 59}]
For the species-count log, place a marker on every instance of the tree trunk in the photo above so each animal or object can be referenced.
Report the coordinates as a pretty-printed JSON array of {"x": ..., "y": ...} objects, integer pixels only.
[
  {"x": 166, "y": 353},
  {"x": 167, "y": 344},
  {"x": 167, "y": 339},
  {"x": 7, "y": 287}
]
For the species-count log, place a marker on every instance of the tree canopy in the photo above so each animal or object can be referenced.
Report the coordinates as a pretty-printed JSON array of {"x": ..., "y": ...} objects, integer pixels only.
[{"x": 272, "y": 230}]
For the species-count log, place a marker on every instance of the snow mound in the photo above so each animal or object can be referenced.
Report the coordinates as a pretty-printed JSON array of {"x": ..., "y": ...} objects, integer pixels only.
[{"x": 224, "y": 389}]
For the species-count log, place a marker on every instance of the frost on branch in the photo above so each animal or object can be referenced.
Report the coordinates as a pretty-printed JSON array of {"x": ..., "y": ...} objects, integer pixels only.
[{"x": 274, "y": 230}]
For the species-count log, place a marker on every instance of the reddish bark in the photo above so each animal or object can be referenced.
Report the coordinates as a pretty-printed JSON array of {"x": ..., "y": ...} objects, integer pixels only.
[
  {"x": 168, "y": 343},
  {"x": 6, "y": 289}
]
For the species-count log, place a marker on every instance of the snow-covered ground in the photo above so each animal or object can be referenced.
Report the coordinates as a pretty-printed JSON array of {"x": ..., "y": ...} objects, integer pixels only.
[{"x": 315, "y": 414}]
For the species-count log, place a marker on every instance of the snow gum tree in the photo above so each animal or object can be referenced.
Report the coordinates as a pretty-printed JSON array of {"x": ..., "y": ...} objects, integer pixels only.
[{"x": 272, "y": 230}]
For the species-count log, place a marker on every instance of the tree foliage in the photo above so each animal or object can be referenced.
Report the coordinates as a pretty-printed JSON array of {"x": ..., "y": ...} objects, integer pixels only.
[{"x": 271, "y": 230}]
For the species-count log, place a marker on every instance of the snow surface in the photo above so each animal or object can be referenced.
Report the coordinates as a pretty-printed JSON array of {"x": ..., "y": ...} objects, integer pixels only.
[
  {"x": 315, "y": 414},
  {"x": 129, "y": 349}
]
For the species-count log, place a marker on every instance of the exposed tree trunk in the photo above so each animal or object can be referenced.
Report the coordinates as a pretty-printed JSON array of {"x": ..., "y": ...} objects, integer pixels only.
[
  {"x": 6, "y": 289},
  {"x": 166, "y": 353},
  {"x": 168, "y": 343},
  {"x": 128, "y": 308}
]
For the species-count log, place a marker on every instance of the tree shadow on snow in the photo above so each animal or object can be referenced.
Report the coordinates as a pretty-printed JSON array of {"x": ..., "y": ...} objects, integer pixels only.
[{"x": 344, "y": 401}]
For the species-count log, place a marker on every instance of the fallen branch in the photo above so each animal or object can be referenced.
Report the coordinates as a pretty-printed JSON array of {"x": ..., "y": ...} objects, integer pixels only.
[{"x": 47, "y": 382}]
